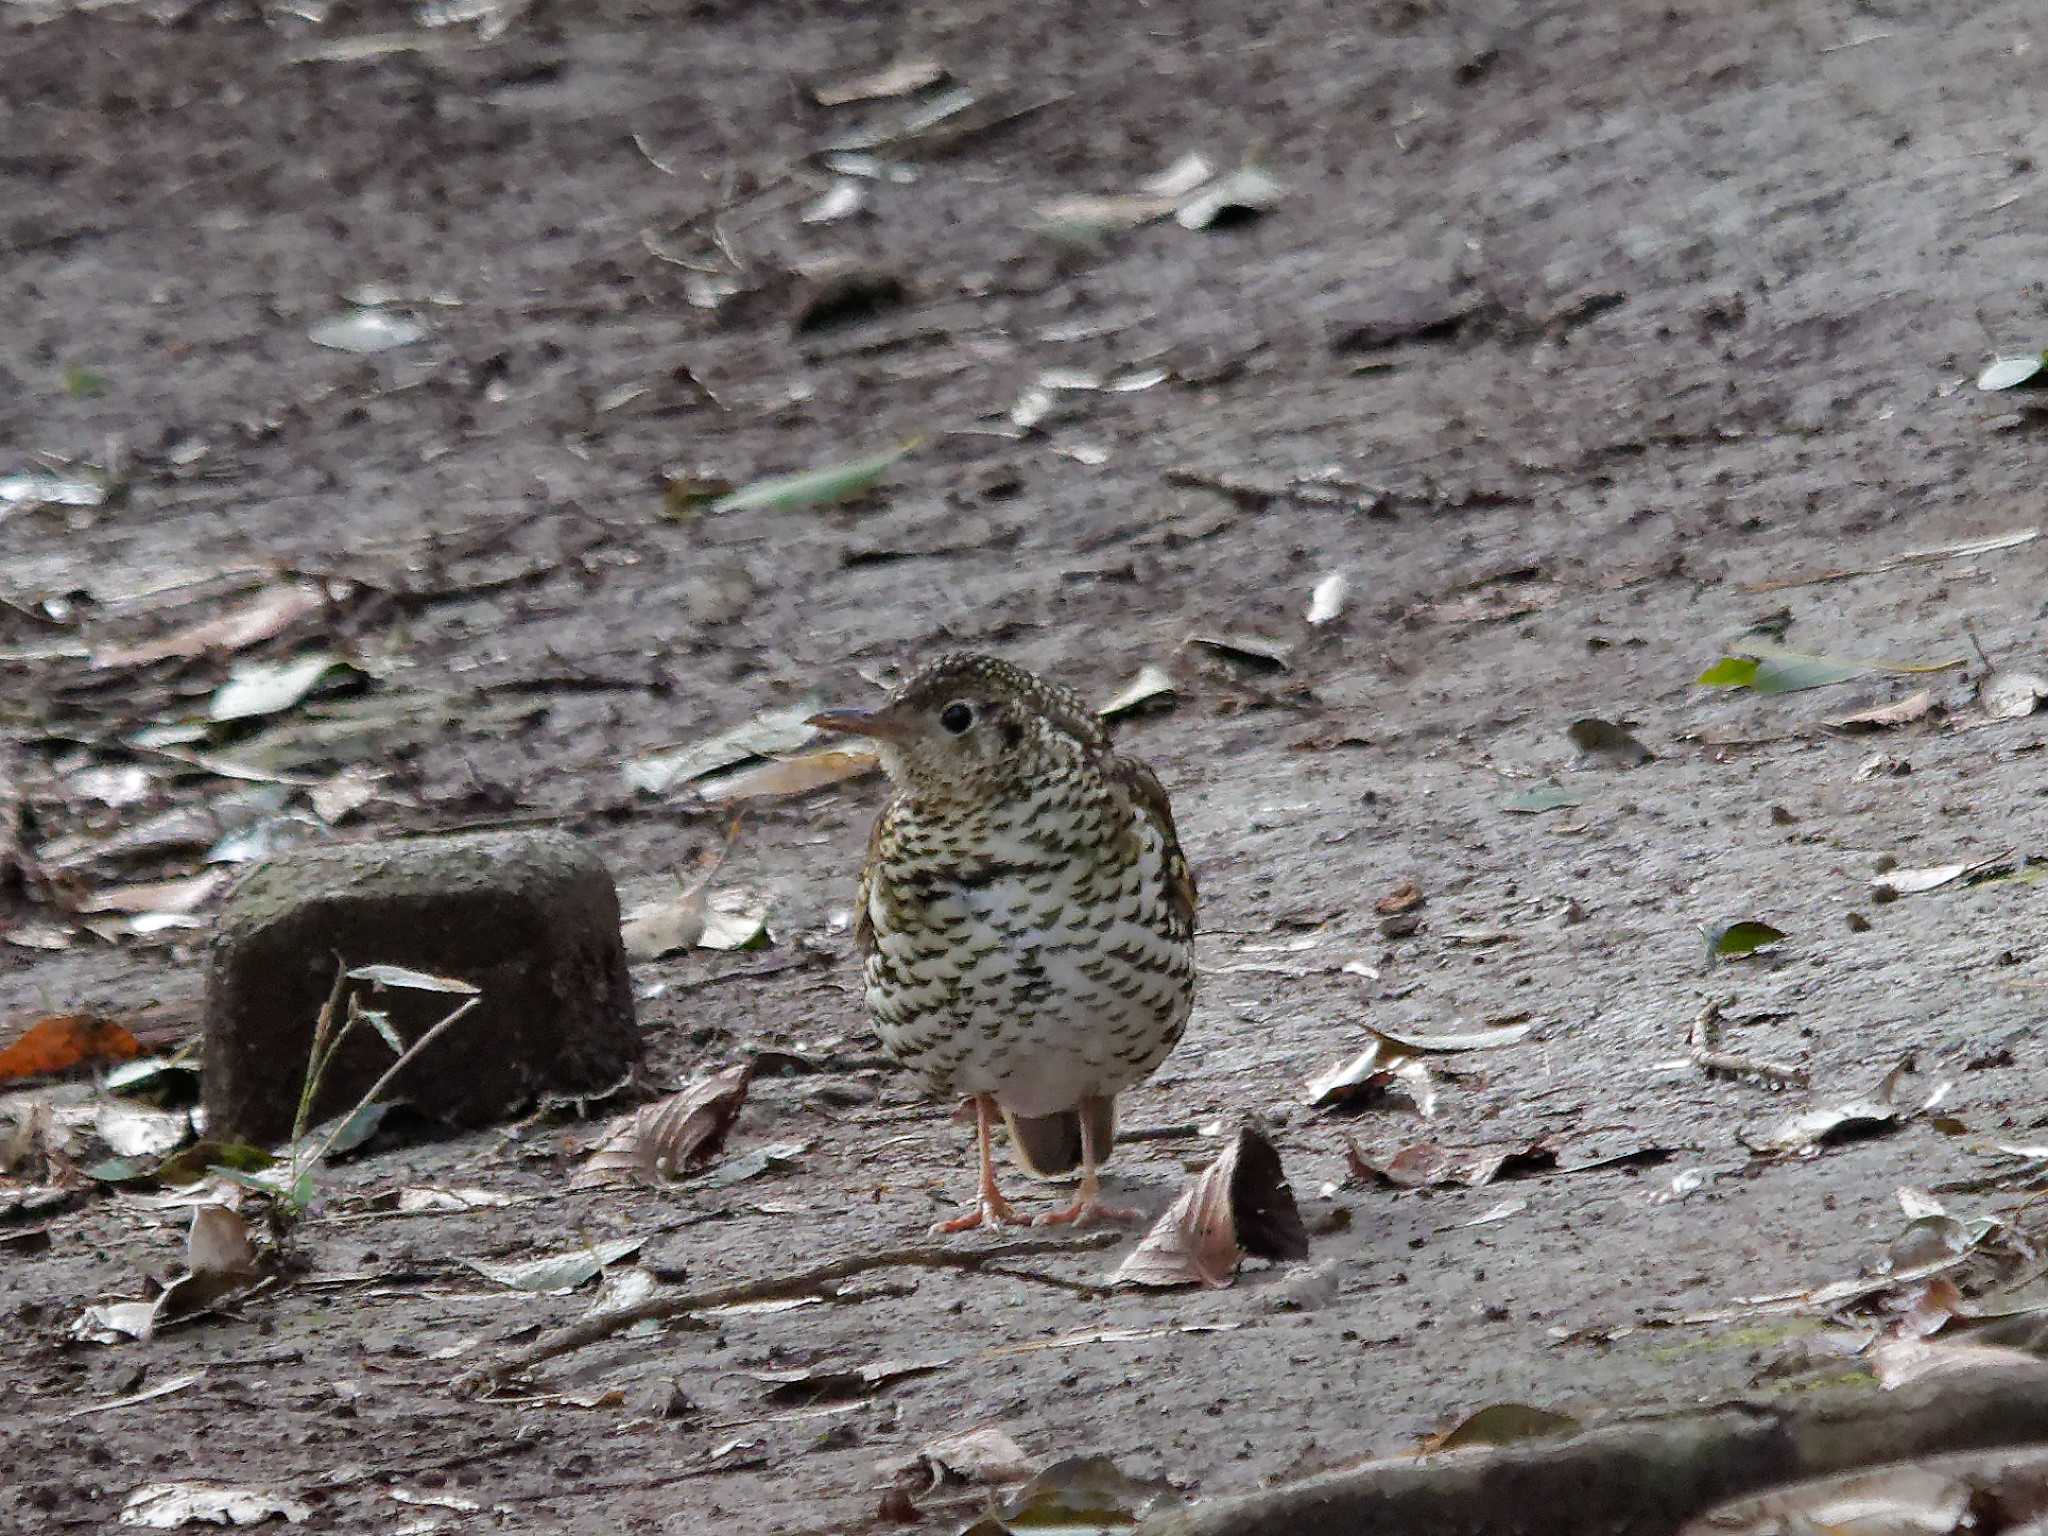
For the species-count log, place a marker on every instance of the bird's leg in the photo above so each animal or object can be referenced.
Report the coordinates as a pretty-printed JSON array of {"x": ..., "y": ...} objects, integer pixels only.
[
  {"x": 990, "y": 1208},
  {"x": 1088, "y": 1206}
]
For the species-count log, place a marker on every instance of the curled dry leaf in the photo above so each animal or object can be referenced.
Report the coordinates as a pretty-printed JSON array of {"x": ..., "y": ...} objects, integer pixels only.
[
  {"x": 790, "y": 776},
  {"x": 1373, "y": 1076},
  {"x": 1326, "y": 602},
  {"x": 2012, "y": 695},
  {"x": 1150, "y": 683},
  {"x": 1502, "y": 1424},
  {"x": 663, "y": 927},
  {"x": 1240, "y": 1204},
  {"x": 902, "y": 78},
  {"x": 671, "y": 1136},
  {"x": 1608, "y": 742},
  {"x": 984, "y": 1456},
  {"x": 1400, "y": 899},
  {"x": 1917, "y": 706},
  {"x": 1804, "y": 1134},
  {"x": 1894, "y": 883},
  {"x": 1946, "y": 1496},
  {"x": 776, "y": 731}
]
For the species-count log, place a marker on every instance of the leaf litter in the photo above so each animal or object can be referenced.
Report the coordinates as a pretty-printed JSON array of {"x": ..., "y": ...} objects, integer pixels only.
[
  {"x": 1240, "y": 1205},
  {"x": 672, "y": 1136}
]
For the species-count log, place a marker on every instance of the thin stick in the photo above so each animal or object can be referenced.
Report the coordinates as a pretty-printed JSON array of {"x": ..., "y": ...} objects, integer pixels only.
[
  {"x": 1744, "y": 1066},
  {"x": 595, "y": 1330},
  {"x": 385, "y": 1081}
]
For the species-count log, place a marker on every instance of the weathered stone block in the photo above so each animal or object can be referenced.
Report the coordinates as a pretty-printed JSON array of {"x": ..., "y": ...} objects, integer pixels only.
[{"x": 531, "y": 918}]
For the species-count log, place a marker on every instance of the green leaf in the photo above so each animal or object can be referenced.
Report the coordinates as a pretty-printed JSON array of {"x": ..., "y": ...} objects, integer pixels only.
[
  {"x": 1504, "y": 1424},
  {"x": 1534, "y": 802},
  {"x": 193, "y": 1163},
  {"x": 835, "y": 482},
  {"x": 1769, "y": 669},
  {"x": 1730, "y": 672},
  {"x": 121, "y": 1170},
  {"x": 1742, "y": 937}
]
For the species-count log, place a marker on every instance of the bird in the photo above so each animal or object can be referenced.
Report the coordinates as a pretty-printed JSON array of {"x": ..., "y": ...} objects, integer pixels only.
[{"x": 1025, "y": 920}]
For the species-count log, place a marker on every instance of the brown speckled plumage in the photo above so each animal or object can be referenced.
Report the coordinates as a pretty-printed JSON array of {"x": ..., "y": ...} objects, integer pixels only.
[{"x": 1026, "y": 918}]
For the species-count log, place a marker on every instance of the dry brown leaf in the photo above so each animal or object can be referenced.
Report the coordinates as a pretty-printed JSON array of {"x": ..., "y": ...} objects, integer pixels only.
[
  {"x": 902, "y": 78},
  {"x": 1904, "y": 711},
  {"x": 1240, "y": 1204},
  {"x": 158, "y": 896},
  {"x": 62, "y": 1041},
  {"x": 984, "y": 1456},
  {"x": 1501, "y": 1424},
  {"x": 1375, "y": 1075},
  {"x": 264, "y": 617},
  {"x": 789, "y": 776},
  {"x": 1423, "y": 1164},
  {"x": 2011, "y": 695},
  {"x": 1400, "y": 899},
  {"x": 663, "y": 927},
  {"x": 671, "y": 1136}
]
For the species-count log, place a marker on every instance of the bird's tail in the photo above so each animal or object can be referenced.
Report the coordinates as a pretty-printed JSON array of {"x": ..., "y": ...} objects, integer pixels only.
[{"x": 1048, "y": 1146}]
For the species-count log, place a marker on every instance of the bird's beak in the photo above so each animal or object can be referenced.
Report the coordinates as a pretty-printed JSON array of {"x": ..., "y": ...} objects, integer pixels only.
[{"x": 879, "y": 724}]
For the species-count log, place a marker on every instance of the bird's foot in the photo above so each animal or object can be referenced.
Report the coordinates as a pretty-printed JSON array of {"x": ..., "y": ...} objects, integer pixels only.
[
  {"x": 1086, "y": 1211},
  {"x": 990, "y": 1210}
]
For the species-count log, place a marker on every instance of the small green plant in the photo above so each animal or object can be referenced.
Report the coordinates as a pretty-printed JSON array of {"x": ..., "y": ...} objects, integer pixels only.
[{"x": 289, "y": 1192}]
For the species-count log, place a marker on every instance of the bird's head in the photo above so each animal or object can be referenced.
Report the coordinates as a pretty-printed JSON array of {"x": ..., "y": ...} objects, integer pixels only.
[{"x": 969, "y": 727}]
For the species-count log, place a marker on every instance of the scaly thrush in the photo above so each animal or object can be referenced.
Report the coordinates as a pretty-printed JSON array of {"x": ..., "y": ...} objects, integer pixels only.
[{"x": 1026, "y": 921}]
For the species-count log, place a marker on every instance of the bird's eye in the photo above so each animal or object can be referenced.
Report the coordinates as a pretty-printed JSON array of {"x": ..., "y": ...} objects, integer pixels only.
[{"x": 957, "y": 717}]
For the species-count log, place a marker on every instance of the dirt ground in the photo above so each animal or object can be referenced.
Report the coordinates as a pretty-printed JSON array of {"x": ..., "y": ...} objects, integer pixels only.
[{"x": 1576, "y": 327}]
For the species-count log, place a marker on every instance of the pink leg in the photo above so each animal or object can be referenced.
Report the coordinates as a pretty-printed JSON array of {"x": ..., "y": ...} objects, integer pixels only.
[
  {"x": 990, "y": 1209},
  {"x": 1088, "y": 1206}
]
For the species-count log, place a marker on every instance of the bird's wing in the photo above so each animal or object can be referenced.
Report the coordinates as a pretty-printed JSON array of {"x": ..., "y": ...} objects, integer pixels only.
[
  {"x": 1149, "y": 794},
  {"x": 863, "y": 922}
]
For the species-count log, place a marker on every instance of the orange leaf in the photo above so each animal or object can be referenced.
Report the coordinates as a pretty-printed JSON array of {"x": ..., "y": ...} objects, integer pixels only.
[{"x": 61, "y": 1041}]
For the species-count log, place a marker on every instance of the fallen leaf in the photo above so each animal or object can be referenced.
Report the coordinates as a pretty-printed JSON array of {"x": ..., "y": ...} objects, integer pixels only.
[
  {"x": 2010, "y": 372},
  {"x": 1252, "y": 650},
  {"x": 60, "y": 1042},
  {"x": 220, "y": 1262},
  {"x": 1401, "y": 898},
  {"x": 261, "y": 688},
  {"x": 1894, "y": 883},
  {"x": 132, "y": 1130},
  {"x": 1905, "y": 711},
  {"x": 1423, "y": 1165},
  {"x": 558, "y": 1271},
  {"x": 790, "y": 776},
  {"x": 667, "y": 1138},
  {"x": 1484, "y": 1038},
  {"x": 1770, "y": 669},
  {"x": 264, "y": 617},
  {"x": 834, "y": 482},
  {"x": 1804, "y": 1134},
  {"x": 366, "y": 331},
  {"x": 1370, "y": 1078},
  {"x": 1999, "y": 1490},
  {"x": 1241, "y": 1204},
  {"x": 1502, "y": 1424},
  {"x": 45, "y": 490},
  {"x": 1607, "y": 741},
  {"x": 838, "y": 1384},
  {"x": 1742, "y": 936},
  {"x": 1326, "y": 601},
  {"x": 1150, "y": 683},
  {"x": 903, "y": 78},
  {"x": 158, "y": 897},
  {"x": 773, "y": 1157},
  {"x": 984, "y": 1456},
  {"x": 2011, "y": 695},
  {"x": 664, "y": 927},
  {"x": 1545, "y": 797},
  {"x": 1241, "y": 194},
  {"x": 766, "y": 735},
  {"x": 409, "y": 980},
  {"x": 1087, "y": 214},
  {"x": 170, "y": 1506},
  {"x": 1084, "y": 1493},
  {"x": 735, "y": 919}
]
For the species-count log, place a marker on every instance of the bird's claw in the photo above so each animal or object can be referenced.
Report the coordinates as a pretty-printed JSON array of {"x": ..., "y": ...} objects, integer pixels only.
[
  {"x": 983, "y": 1213},
  {"x": 1085, "y": 1213}
]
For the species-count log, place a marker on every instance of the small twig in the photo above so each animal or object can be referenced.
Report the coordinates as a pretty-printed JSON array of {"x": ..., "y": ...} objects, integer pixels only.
[
  {"x": 1978, "y": 646},
  {"x": 1743, "y": 1066},
  {"x": 660, "y": 1308},
  {"x": 1709, "y": 1059},
  {"x": 320, "y": 1154}
]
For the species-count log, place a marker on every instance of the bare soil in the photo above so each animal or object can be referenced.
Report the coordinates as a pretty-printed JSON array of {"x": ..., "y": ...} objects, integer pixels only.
[{"x": 1578, "y": 325}]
